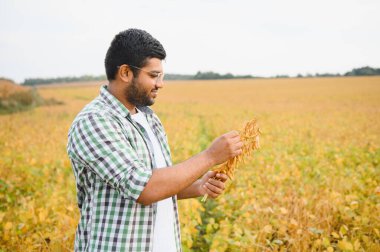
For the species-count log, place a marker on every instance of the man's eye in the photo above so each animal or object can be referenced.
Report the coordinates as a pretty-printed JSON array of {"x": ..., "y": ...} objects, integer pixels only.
[{"x": 154, "y": 75}]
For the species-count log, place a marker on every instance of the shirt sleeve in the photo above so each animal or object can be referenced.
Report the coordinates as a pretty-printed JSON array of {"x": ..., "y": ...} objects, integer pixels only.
[{"x": 98, "y": 142}]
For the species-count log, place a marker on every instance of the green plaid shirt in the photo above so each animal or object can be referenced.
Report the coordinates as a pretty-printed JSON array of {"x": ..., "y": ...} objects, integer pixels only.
[{"x": 112, "y": 160}]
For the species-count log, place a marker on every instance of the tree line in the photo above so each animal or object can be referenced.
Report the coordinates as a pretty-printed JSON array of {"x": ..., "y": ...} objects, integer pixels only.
[{"x": 363, "y": 71}]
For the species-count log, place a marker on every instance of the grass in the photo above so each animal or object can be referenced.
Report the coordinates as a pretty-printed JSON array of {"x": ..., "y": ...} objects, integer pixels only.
[{"x": 313, "y": 185}]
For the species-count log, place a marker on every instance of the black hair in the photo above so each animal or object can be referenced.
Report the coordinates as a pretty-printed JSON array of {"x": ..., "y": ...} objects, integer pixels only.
[{"x": 132, "y": 47}]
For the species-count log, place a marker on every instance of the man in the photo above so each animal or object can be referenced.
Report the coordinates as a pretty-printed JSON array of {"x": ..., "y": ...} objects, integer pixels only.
[{"x": 127, "y": 187}]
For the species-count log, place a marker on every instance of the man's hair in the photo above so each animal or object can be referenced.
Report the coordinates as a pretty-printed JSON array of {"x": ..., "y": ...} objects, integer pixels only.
[{"x": 132, "y": 47}]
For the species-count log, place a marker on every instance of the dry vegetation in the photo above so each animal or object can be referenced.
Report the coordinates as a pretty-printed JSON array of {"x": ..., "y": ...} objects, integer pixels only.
[
  {"x": 16, "y": 98},
  {"x": 313, "y": 186},
  {"x": 250, "y": 136},
  {"x": 8, "y": 88}
]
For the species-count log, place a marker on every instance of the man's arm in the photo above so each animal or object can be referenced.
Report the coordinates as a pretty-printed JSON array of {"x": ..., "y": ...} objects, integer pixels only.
[{"x": 169, "y": 181}]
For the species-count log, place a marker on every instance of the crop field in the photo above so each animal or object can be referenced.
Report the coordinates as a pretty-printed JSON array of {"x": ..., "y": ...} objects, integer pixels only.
[{"x": 314, "y": 185}]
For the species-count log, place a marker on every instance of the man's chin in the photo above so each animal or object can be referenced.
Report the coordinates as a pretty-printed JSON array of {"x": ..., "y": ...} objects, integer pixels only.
[
  {"x": 148, "y": 103},
  {"x": 151, "y": 102}
]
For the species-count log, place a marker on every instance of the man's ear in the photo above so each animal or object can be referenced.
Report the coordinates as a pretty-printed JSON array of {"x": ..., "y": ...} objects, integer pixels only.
[{"x": 124, "y": 73}]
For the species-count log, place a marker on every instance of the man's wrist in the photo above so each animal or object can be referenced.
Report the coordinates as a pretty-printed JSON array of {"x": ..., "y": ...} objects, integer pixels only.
[
  {"x": 208, "y": 158},
  {"x": 198, "y": 188}
]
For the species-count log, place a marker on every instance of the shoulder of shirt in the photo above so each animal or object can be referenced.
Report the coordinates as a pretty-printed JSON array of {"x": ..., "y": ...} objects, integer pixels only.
[{"x": 95, "y": 109}]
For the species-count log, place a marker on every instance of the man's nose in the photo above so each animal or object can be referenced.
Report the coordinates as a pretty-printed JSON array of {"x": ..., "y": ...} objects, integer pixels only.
[{"x": 160, "y": 83}]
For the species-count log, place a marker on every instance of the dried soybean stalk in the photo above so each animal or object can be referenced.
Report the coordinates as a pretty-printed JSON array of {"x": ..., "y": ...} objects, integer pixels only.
[{"x": 250, "y": 136}]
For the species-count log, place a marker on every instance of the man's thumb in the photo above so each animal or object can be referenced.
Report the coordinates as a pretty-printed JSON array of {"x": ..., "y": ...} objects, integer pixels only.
[{"x": 211, "y": 174}]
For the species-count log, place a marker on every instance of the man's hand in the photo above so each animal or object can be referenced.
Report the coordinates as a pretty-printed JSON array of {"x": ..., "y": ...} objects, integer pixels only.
[
  {"x": 225, "y": 147},
  {"x": 212, "y": 187}
]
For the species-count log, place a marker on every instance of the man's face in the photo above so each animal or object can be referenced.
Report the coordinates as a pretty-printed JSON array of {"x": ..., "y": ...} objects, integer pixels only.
[{"x": 144, "y": 89}]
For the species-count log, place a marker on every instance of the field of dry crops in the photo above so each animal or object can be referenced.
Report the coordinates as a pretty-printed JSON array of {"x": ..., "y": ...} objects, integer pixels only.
[{"x": 313, "y": 186}]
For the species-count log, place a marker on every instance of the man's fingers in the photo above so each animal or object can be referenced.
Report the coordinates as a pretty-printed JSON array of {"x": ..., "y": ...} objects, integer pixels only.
[
  {"x": 238, "y": 146},
  {"x": 215, "y": 186},
  {"x": 211, "y": 193},
  {"x": 232, "y": 134},
  {"x": 211, "y": 174},
  {"x": 218, "y": 185},
  {"x": 235, "y": 139},
  {"x": 222, "y": 177},
  {"x": 238, "y": 152}
]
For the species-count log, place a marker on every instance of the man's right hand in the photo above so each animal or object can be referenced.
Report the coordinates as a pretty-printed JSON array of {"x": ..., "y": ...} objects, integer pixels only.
[{"x": 225, "y": 147}]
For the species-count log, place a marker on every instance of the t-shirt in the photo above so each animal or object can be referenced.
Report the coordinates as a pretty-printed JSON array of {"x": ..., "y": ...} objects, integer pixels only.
[{"x": 163, "y": 236}]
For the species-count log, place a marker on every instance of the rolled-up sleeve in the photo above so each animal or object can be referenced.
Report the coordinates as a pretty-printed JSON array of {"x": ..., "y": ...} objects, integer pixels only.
[{"x": 98, "y": 142}]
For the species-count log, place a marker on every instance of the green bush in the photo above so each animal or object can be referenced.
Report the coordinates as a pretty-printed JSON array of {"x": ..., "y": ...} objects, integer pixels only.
[{"x": 23, "y": 100}]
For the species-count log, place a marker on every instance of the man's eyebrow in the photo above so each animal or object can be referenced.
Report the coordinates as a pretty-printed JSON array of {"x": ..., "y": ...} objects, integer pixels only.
[{"x": 155, "y": 71}]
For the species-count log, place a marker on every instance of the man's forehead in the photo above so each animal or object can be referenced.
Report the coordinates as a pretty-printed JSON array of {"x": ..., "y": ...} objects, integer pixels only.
[{"x": 154, "y": 64}]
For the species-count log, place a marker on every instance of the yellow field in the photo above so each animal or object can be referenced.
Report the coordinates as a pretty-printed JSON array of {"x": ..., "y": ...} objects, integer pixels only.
[{"x": 313, "y": 186}]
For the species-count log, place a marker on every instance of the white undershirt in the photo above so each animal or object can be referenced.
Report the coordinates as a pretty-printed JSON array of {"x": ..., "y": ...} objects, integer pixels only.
[{"x": 163, "y": 238}]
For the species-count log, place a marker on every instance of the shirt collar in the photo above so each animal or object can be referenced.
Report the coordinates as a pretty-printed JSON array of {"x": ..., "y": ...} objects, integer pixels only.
[
  {"x": 116, "y": 105},
  {"x": 145, "y": 110}
]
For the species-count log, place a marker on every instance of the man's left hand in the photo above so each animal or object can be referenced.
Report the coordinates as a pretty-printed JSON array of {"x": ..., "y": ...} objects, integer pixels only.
[{"x": 212, "y": 183}]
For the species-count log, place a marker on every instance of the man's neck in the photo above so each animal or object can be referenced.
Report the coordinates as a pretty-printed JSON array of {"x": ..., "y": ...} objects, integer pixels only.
[{"x": 118, "y": 93}]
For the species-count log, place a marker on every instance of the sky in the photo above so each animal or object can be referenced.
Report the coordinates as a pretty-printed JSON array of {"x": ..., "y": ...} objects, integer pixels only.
[{"x": 49, "y": 38}]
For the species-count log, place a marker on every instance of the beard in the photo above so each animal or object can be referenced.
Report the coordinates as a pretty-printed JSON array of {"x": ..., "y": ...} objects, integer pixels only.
[{"x": 137, "y": 95}]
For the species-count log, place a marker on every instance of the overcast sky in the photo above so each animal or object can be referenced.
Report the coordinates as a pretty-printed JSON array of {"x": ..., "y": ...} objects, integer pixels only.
[{"x": 47, "y": 38}]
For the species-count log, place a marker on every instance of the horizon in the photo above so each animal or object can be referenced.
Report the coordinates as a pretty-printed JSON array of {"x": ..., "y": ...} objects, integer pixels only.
[{"x": 234, "y": 76}]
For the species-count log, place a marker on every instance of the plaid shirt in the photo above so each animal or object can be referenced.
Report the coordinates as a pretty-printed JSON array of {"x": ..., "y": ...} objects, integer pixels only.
[{"x": 112, "y": 160}]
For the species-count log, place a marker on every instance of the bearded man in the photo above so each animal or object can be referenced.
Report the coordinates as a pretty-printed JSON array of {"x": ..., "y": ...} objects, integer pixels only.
[{"x": 127, "y": 186}]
